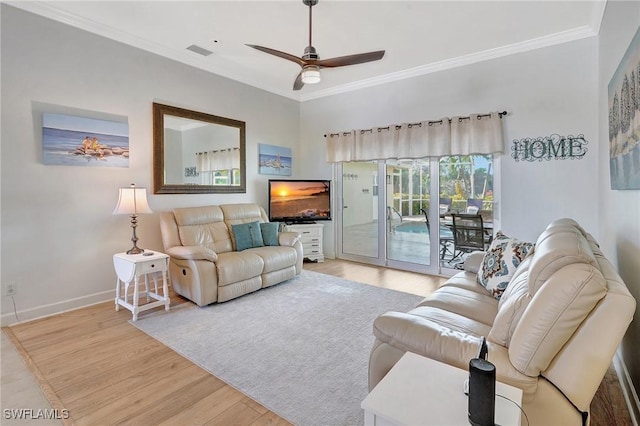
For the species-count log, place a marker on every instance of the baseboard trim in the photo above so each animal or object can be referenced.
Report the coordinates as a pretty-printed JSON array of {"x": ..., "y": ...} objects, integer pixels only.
[
  {"x": 628, "y": 390},
  {"x": 38, "y": 312}
]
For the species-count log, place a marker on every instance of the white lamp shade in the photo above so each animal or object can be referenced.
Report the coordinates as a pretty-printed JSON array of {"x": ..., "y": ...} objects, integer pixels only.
[
  {"x": 132, "y": 200},
  {"x": 311, "y": 74}
]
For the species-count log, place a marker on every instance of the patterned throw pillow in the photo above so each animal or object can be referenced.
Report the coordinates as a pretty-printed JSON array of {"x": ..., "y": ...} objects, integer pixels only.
[{"x": 500, "y": 263}]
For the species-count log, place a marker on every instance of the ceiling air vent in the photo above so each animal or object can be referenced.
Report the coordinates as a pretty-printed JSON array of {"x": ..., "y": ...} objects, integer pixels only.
[{"x": 199, "y": 50}]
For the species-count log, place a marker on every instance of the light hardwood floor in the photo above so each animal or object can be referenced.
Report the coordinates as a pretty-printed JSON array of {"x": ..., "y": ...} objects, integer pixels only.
[{"x": 92, "y": 362}]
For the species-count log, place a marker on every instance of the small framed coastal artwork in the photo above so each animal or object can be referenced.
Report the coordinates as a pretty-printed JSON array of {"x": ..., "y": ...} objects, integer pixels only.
[
  {"x": 274, "y": 160},
  {"x": 69, "y": 140}
]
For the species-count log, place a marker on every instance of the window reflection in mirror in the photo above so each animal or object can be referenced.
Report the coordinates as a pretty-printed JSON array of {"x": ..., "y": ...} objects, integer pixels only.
[{"x": 196, "y": 152}]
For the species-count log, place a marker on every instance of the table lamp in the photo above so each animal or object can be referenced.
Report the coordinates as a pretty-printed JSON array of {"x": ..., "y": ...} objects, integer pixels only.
[{"x": 133, "y": 201}]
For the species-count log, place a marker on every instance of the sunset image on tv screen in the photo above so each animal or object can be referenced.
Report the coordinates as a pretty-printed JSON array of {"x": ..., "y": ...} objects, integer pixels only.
[{"x": 299, "y": 199}]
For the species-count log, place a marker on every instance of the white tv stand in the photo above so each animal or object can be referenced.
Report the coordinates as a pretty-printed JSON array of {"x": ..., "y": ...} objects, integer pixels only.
[{"x": 311, "y": 239}]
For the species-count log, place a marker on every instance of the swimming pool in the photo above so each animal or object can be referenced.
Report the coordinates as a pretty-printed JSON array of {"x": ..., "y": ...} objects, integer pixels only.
[
  {"x": 414, "y": 227},
  {"x": 418, "y": 227}
]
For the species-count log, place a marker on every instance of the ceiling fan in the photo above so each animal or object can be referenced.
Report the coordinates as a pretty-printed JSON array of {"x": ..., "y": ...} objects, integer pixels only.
[{"x": 311, "y": 62}]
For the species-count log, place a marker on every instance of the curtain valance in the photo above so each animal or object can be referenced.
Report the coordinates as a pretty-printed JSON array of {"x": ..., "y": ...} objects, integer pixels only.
[
  {"x": 224, "y": 159},
  {"x": 476, "y": 134}
]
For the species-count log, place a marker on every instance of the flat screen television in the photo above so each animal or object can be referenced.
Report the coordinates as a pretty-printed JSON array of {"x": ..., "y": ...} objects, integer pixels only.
[{"x": 299, "y": 201}]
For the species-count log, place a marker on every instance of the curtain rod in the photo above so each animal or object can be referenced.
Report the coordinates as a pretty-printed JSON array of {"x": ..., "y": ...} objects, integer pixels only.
[
  {"x": 430, "y": 122},
  {"x": 218, "y": 150}
]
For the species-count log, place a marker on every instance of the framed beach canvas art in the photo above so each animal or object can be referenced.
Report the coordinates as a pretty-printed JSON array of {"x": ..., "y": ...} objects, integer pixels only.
[
  {"x": 69, "y": 140},
  {"x": 624, "y": 120},
  {"x": 274, "y": 160}
]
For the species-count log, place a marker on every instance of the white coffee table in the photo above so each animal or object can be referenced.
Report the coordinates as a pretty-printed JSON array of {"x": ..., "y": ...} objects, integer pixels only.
[{"x": 421, "y": 391}]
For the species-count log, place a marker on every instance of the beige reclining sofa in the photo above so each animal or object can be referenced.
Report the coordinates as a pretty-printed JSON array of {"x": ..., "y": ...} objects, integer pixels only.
[
  {"x": 205, "y": 265},
  {"x": 553, "y": 333}
]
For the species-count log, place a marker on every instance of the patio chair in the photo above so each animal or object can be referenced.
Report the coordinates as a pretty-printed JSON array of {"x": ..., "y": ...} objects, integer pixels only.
[
  {"x": 468, "y": 234},
  {"x": 472, "y": 210},
  {"x": 445, "y": 205},
  {"x": 474, "y": 205},
  {"x": 445, "y": 236}
]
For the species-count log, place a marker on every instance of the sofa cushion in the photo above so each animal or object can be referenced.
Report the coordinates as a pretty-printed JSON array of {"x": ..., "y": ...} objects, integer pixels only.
[
  {"x": 450, "y": 320},
  {"x": 555, "y": 311},
  {"x": 513, "y": 303},
  {"x": 247, "y": 235},
  {"x": 236, "y": 266},
  {"x": 203, "y": 226},
  {"x": 242, "y": 213},
  {"x": 235, "y": 214},
  {"x": 270, "y": 233},
  {"x": 465, "y": 280},
  {"x": 500, "y": 263},
  {"x": 477, "y": 306},
  {"x": 556, "y": 247},
  {"x": 275, "y": 258}
]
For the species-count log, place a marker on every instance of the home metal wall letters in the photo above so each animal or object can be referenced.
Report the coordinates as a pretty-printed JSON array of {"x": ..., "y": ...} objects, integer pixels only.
[{"x": 545, "y": 148}]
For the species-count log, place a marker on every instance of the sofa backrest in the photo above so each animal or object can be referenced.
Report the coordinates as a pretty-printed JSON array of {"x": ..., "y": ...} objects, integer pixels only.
[
  {"x": 556, "y": 247},
  {"x": 203, "y": 226},
  {"x": 243, "y": 213},
  {"x": 578, "y": 368},
  {"x": 209, "y": 226},
  {"x": 571, "y": 311},
  {"x": 235, "y": 214},
  {"x": 564, "y": 284}
]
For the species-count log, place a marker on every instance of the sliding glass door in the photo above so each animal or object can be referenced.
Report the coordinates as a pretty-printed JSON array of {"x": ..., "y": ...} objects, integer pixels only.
[
  {"x": 359, "y": 211},
  {"x": 383, "y": 214},
  {"x": 408, "y": 201},
  {"x": 388, "y": 216}
]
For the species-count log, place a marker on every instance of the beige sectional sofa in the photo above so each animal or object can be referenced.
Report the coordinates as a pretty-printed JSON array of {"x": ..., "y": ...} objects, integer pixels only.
[
  {"x": 205, "y": 265},
  {"x": 553, "y": 333}
]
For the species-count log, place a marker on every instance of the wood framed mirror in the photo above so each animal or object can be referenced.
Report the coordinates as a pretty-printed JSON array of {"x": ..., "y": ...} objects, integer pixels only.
[{"x": 197, "y": 153}]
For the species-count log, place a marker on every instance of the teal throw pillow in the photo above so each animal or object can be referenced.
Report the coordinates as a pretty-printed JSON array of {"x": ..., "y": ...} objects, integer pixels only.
[
  {"x": 247, "y": 235},
  {"x": 270, "y": 233},
  {"x": 500, "y": 263}
]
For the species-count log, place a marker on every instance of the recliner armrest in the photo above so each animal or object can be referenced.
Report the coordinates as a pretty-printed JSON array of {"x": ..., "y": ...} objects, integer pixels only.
[
  {"x": 288, "y": 238},
  {"x": 192, "y": 253},
  {"x": 427, "y": 338},
  {"x": 473, "y": 261}
]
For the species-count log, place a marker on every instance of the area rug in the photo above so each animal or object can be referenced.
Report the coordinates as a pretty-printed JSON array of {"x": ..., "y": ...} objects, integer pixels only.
[{"x": 300, "y": 348}]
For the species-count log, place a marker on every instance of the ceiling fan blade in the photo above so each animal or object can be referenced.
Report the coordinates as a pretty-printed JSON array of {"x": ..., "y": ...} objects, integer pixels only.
[
  {"x": 279, "y": 54},
  {"x": 359, "y": 58},
  {"x": 297, "y": 85}
]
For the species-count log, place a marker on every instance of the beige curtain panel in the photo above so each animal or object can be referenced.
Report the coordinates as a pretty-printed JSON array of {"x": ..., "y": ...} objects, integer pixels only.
[
  {"x": 211, "y": 161},
  {"x": 476, "y": 134}
]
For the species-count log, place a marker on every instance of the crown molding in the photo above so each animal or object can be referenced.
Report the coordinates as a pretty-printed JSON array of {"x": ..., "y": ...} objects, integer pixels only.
[
  {"x": 512, "y": 49},
  {"x": 50, "y": 11}
]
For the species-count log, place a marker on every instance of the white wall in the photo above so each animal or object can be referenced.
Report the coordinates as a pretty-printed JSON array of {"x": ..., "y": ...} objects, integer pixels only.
[
  {"x": 619, "y": 210},
  {"x": 546, "y": 91},
  {"x": 58, "y": 234}
]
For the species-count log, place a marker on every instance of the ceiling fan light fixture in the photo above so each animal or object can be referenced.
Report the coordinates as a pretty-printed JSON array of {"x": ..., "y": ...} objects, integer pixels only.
[
  {"x": 310, "y": 61},
  {"x": 311, "y": 74}
]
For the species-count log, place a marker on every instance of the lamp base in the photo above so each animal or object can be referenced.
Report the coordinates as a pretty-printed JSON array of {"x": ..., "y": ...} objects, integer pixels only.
[
  {"x": 135, "y": 250},
  {"x": 134, "y": 239}
]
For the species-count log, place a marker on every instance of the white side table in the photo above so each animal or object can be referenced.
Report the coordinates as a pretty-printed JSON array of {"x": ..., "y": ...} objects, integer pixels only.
[
  {"x": 421, "y": 391},
  {"x": 129, "y": 268}
]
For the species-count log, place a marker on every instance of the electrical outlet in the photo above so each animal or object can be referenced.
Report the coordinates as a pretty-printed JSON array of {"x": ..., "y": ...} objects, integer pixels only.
[{"x": 10, "y": 288}]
